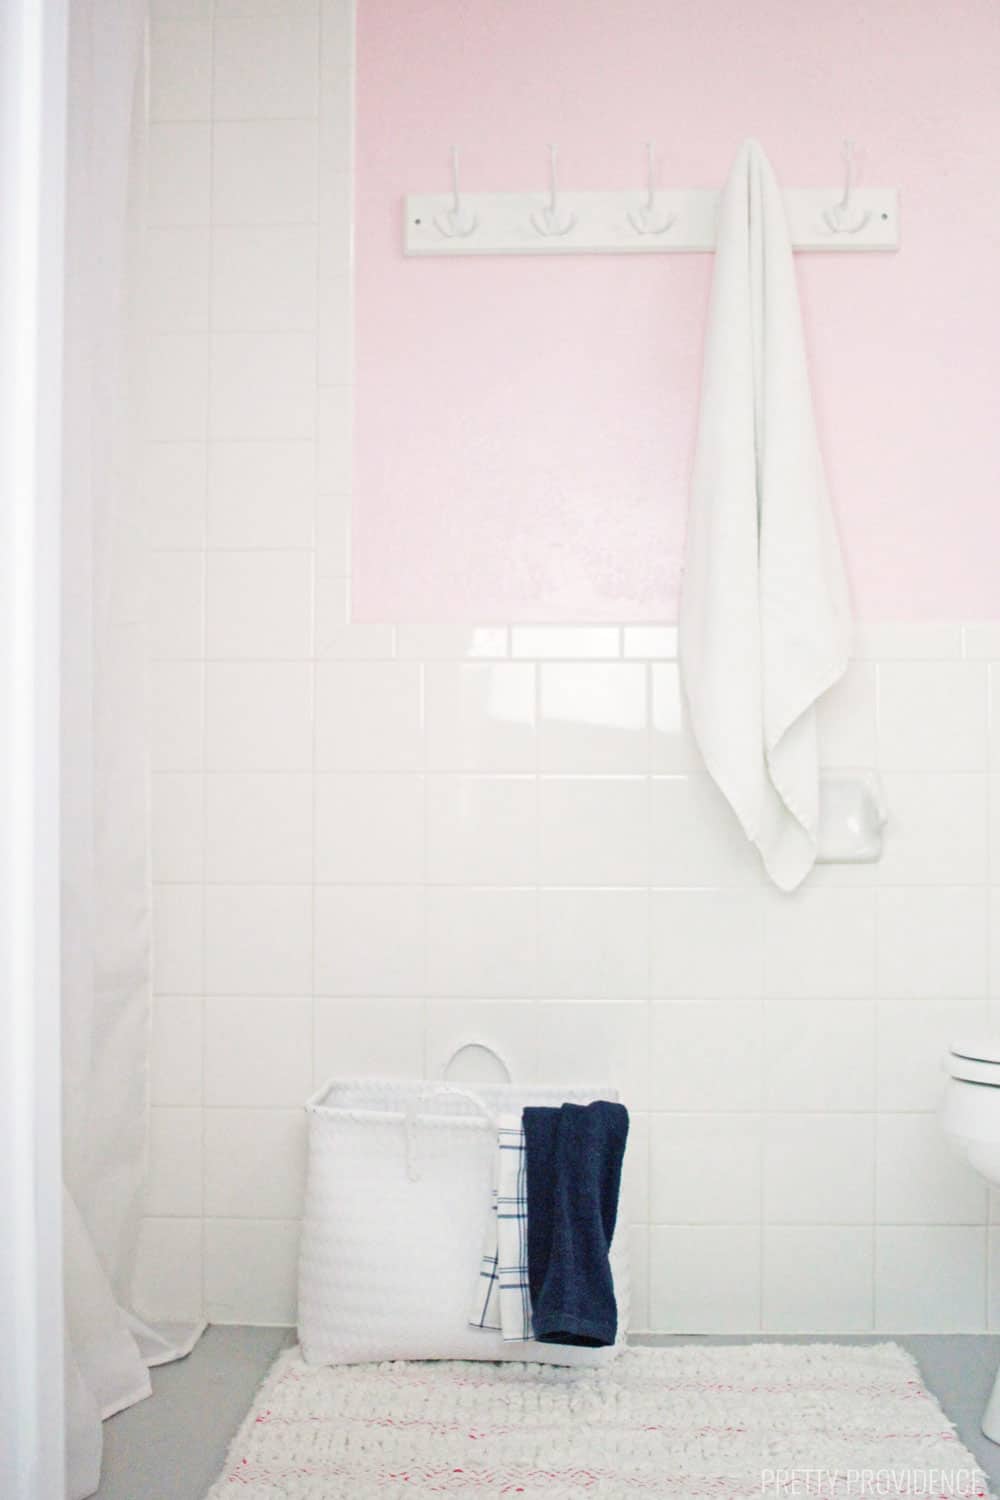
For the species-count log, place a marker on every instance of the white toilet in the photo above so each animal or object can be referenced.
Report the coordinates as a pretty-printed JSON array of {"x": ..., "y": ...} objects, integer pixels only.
[{"x": 970, "y": 1118}]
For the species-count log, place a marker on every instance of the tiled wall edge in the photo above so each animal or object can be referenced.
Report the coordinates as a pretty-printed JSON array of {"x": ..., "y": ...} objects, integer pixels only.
[{"x": 903, "y": 641}]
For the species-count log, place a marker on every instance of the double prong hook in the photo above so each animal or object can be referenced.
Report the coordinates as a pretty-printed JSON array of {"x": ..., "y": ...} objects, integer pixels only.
[
  {"x": 550, "y": 221},
  {"x": 843, "y": 217},
  {"x": 645, "y": 219},
  {"x": 456, "y": 221}
]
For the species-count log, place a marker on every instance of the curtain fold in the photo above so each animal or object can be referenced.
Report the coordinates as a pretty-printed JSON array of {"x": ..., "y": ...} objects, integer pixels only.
[{"x": 106, "y": 886}]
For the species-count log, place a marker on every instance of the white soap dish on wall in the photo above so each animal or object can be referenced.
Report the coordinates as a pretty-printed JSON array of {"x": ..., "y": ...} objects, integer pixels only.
[{"x": 852, "y": 815}]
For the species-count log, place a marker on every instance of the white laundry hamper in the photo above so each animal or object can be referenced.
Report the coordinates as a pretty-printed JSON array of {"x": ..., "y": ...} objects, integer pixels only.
[{"x": 398, "y": 1191}]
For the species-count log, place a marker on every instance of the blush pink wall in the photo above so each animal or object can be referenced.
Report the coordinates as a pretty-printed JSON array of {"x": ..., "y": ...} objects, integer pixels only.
[{"x": 525, "y": 425}]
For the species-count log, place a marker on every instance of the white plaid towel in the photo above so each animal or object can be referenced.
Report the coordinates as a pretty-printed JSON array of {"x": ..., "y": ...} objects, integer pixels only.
[{"x": 502, "y": 1299}]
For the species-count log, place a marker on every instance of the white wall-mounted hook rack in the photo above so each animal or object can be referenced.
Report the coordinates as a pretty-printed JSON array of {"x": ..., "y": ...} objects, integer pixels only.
[
  {"x": 647, "y": 218},
  {"x": 614, "y": 223},
  {"x": 552, "y": 221},
  {"x": 456, "y": 221},
  {"x": 847, "y": 216}
]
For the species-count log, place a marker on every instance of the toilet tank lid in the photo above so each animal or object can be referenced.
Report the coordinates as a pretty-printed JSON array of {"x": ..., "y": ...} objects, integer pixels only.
[{"x": 982, "y": 1050}]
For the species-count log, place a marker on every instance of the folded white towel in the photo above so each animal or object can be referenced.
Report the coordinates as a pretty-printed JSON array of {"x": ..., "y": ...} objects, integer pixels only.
[{"x": 764, "y": 616}]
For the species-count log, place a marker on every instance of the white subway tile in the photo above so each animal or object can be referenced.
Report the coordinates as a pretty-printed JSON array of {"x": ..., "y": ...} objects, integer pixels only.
[
  {"x": 913, "y": 1041},
  {"x": 592, "y": 717},
  {"x": 258, "y": 1051},
  {"x": 167, "y": 1280},
  {"x": 981, "y": 640},
  {"x": 593, "y": 944},
  {"x": 508, "y": 1028},
  {"x": 568, "y": 642},
  {"x": 596, "y": 1046},
  {"x": 593, "y": 830},
  {"x": 932, "y": 716},
  {"x": 695, "y": 836},
  {"x": 452, "y": 642},
  {"x": 819, "y": 1169},
  {"x": 338, "y": 40},
  {"x": 175, "y": 605},
  {"x": 175, "y": 279},
  {"x": 259, "y": 827},
  {"x": 337, "y": 639},
  {"x": 263, "y": 385},
  {"x": 258, "y": 605},
  {"x": 369, "y": 940},
  {"x": 704, "y": 1278},
  {"x": 180, "y": 55},
  {"x": 258, "y": 939},
  {"x": 174, "y": 493},
  {"x": 178, "y": 834},
  {"x": 655, "y": 642},
  {"x": 920, "y": 1177},
  {"x": 335, "y": 439},
  {"x": 336, "y": 334},
  {"x": 368, "y": 1038},
  {"x": 251, "y": 1269},
  {"x": 937, "y": 832},
  {"x": 633, "y": 1205},
  {"x": 265, "y": 277},
  {"x": 261, "y": 494},
  {"x": 336, "y": 132},
  {"x": 480, "y": 716},
  {"x": 819, "y": 944},
  {"x": 638, "y": 1253},
  {"x": 368, "y": 716},
  {"x": 176, "y": 715},
  {"x": 178, "y": 173},
  {"x": 932, "y": 943},
  {"x": 176, "y": 404},
  {"x": 819, "y": 1057},
  {"x": 264, "y": 172},
  {"x": 930, "y": 1280},
  {"x": 174, "y": 1176},
  {"x": 846, "y": 720},
  {"x": 482, "y": 943},
  {"x": 705, "y": 1055},
  {"x": 255, "y": 1163},
  {"x": 481, "y": 830},
  {"x": 912, "y": 640},
  {"x": 818, "y": 1279},
  {"x": 336, "y": 217},
  {"x": 226, "y": 10},
  {"x": 369, "y": 829},
  {"x": 705, "y": 1169},
  {"x": 258, "y": 716},
  {"x": 175, "y": 1051},
  {"x": 672, "y": 746},
  {"x": 707, "y": 943},
  {"x": 266, "y": 67},
  {"x": 178, "y": 943}
]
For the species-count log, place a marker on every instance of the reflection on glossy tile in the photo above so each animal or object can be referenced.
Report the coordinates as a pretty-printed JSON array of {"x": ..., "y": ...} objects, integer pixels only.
[
  {"x": 480, "y": 716},
  {"x": 672, "y": 746},
  {"x": 593, "y": 717}
]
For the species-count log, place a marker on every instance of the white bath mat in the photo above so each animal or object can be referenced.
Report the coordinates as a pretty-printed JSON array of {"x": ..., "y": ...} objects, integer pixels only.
[{"x": 683, "y": 1423}]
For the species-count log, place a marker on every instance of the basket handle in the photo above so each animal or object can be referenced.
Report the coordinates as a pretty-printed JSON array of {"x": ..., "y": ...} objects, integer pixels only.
[
  {"x": 447, "y": 1090},
  {"x": 483, "y": 1047}
]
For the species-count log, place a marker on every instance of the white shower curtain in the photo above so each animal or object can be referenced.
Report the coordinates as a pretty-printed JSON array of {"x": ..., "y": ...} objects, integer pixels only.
[{"x": 106, "y": 939}]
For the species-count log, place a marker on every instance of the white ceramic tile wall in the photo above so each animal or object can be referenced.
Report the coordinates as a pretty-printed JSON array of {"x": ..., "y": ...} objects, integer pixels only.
[{"x": 375, "y": 842}]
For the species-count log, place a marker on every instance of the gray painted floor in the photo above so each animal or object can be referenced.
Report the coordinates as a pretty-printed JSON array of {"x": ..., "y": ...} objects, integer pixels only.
[{"x": 173, "y": 1446}]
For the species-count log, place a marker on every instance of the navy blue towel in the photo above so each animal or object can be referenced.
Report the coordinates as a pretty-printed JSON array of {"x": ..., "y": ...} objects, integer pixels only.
[{"x": 574, "y": 1167}]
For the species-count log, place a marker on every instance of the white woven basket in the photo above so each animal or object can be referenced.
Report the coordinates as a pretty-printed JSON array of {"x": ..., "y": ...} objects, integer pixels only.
[{"x": 399, "y": 1185}]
